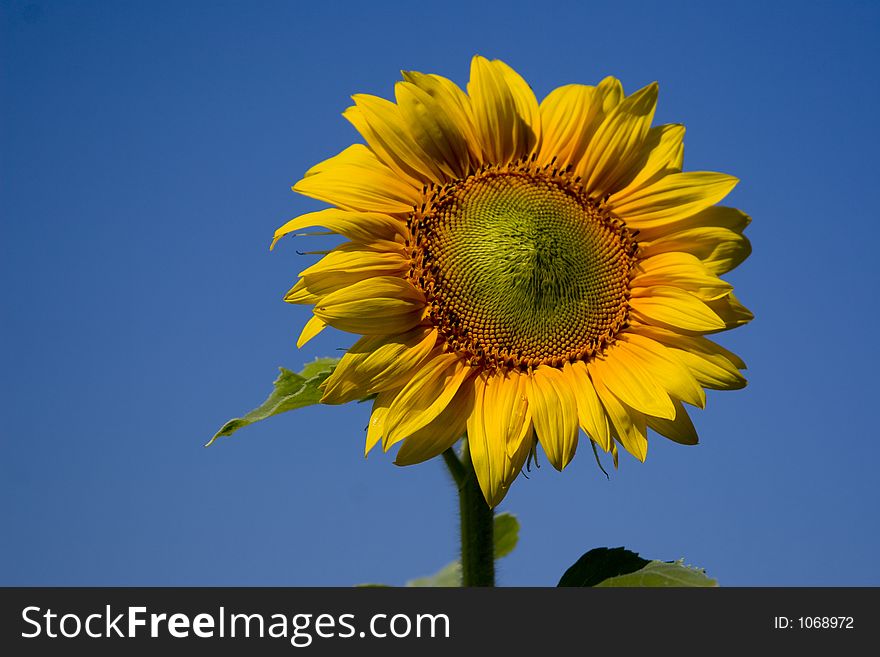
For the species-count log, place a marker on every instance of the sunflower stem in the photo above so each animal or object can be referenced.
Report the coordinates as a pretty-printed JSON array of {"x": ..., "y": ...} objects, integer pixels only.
[{"x": 477, "y": 521}]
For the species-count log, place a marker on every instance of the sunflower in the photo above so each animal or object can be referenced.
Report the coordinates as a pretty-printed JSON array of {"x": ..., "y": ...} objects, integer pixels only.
[{"x": 520, "y": 272}]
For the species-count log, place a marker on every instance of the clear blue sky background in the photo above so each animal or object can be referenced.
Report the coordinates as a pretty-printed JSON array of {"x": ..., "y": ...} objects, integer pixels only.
[{"x": 146, "y": 155}]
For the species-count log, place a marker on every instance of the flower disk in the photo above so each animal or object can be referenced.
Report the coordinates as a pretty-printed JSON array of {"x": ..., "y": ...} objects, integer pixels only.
[
  {"x": 521, "y": 269},
  {"x": 520, "y": 272}
]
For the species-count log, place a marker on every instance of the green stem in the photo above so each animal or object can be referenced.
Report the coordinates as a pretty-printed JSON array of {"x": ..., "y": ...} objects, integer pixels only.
[{"x": 477, "y": 521}]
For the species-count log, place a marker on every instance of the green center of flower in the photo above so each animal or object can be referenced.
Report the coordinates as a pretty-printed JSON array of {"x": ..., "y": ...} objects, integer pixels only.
[{"x": 521, "y": 268}]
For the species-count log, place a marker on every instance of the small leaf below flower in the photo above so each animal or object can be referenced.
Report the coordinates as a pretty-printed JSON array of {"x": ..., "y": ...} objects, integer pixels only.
[{"x": 291, "y": 391}]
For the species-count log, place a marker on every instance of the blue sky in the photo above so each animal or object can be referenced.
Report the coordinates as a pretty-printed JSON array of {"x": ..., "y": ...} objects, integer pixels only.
[{"x": 146, "y": 155}]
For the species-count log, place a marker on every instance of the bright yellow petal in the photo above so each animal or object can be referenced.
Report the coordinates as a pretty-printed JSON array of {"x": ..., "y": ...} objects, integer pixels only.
[
  {"x": 555, "y": 414},
  {"x": 375, "y": 306},
  {"x": 671, "y": 198},
  {"x": 570, "y": 116},
  {"x": 311, "y": 289},
  {"x": 497, "y": 429},
  {"x": 661, "y": 155},
  {"x": 711, "y": 365},
  {"x": 670, "y": 306},
  {"x": 359, "y": 226},
  {"x": 436, "y": 131},
  {"x": 632, "y": 383},
  {"x": 505, "y": 111},
  {"x": 681, "y": 270},
  {"x": 488, "y": 450},
  {"x": 566, "y": 112},
  {"x": 511, "y": 415},
  {"x": 385, "y": 130},
  {"x": 352, "y": 258},
  {"x": 300, "y": 293},
  {"x": 719, "y": 249},
  {"x": 376, "y": 363},
  {"x": 346, "y": 265},
  {"x": 731, "y": 311},
  {"x": 356, "y": 180},
  {"x": 314, "y": 326},
  {"x": 376, "y": 426},
  {"x": 717, "y": 216},
  {"x": 618, "y": 142},
  {"x": 526, "y": 103},
  {"x": 629, "y": 425},
  {"x": 441, "y": 434},
  {"x": 665, "y": 366},
  {"x": 452, "y": 102},
  {"x": 591, "y": 416},
  {"x": 609, "y": 92},
  {"x": 423, "y": 399},
  {"x": 680, "y": 429}
]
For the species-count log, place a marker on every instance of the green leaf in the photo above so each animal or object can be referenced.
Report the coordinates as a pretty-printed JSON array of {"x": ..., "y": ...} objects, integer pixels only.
[
  {"x": 506, "y": 531},
  {"x": 450, "y": 575},
  {"x": 372, "y": 586},
  {"x": 506, "y": 534},
  {"x": 600, "y": 564},
  {"x": 291, "y": 391},
  {"x": 662, "y": 573}
]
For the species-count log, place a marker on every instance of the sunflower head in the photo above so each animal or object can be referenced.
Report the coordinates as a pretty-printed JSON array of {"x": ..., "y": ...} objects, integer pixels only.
[{"x": 521, "y": 272}]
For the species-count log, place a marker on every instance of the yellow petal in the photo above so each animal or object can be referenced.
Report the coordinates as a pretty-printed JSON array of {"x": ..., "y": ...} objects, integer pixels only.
[
  {"x": 423, "y": 399},
  {"x": 376, "y": 363},
  {"x": 665, "y": 366},
  {"x": 488, "y": 450},
  {"x": 359, "y": 226},
  {"x": 300, "y": 293},
  {"x": 314, "y": 326},
  {"x": 312, "y": 288},
  {"x": 566, "y": 113},
  {"x": 716, "y": 216},
  {"x": 609, "y": 93},
  {"x": 731, "y": 311},
  {"x": 376, "y": 426},
  {"x": 632, "y": 383},
  {"x": 505, "y": 111},
  {"x": 442, "y": 433},
  {"x": 526, "y": 104},
  {"x": 497, "y": 429},
  {"x": 681, "y": 270},
  {"x": 629, "y": 425},
  {"x": 436, "y": 131},
  {"x": 353, "y": 258},
  {"x": 452, "y": 102},
  {"x": 661, "y": 155},
  {"x": 691, "y": 343},
  {"x": 511, "y": 415},
  {"x": 555, "y": 414},
  {"x": 669, "y": 306},
  {"x": 680, "y": 429},
  {"x": 710, "y": 364},
  {"x": 376, "y": 306},
  {"x": 591, "y": 415},
  {"x": 570, "y": 116},
  {"x": 356, "y": 180},
  {"x": 671, "y": 198},
  {"x": 618, "y": 142},
  {"x": 385, "y": 130},
  {"x": 719, "y": 249}
]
